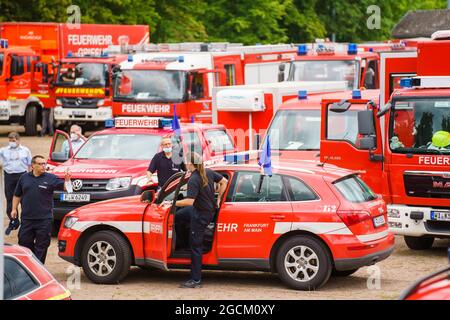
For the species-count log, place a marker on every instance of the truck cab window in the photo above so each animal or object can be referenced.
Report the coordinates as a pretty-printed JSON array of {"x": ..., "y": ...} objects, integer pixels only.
[
  {"x": 230, "y": 72},
  {"x": 197, "y": 86}
]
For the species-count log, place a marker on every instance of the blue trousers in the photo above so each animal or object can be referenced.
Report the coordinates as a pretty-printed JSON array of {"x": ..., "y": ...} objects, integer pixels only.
[
  {"x": 36, "y": 236},
  {"x": 198, "y": 221},
  {"x": 11, "y": 180}
]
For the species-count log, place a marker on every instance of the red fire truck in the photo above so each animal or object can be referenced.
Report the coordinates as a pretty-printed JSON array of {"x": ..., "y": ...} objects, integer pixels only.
[
  {"x": 160, "y": 76},
  {"x": 28, "y": 54},
  {"x": 404, "y": 148}
]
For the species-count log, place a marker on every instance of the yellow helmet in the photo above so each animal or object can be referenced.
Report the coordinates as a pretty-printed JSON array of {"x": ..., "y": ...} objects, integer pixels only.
[{"x": 441, "y": 139}]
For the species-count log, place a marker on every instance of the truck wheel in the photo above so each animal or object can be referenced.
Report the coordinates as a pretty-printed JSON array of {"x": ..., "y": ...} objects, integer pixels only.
[
  {"x": 303, "y": 263},
  {"x": 106, "y": 257},
  {"x": 343, "y": 273},
  {"x": 419, "y": 243},
  {"x": 31, "y": 121}
]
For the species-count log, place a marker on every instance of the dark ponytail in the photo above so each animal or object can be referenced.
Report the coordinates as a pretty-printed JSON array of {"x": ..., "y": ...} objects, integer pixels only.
[{"x": 197, "y": 162}]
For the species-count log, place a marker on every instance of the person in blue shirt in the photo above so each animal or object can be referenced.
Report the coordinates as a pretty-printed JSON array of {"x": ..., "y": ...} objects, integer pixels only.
[
  {"x": 76, "y": 138},
  {"x": 34, "y": 192},
  {"x": 16, "y": 160}
]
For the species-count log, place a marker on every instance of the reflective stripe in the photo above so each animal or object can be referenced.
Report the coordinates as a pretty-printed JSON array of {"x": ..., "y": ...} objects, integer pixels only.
[
  {"x": 124, "y": 226},
  {"x": 314, "y": 227},
  {"x": 61, "y": 296},
  {"x": 373, "y": 236}
]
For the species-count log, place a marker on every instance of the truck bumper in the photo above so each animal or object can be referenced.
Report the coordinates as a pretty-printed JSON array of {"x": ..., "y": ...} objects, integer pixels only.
[
  {"x": 82, "y": 114},
  {"x": 62, "y": 208},
  {"x": 416, "y": 221},
  {"x": 5, "y": 110}
]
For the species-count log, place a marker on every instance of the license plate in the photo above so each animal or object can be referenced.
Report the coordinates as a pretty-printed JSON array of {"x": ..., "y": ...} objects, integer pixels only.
[
  {"x": 75, "y": 197},
  {"x": 440, "y": 216},
  {"x": 79, "y": 113},
  {"x": 379, "y": 221}
]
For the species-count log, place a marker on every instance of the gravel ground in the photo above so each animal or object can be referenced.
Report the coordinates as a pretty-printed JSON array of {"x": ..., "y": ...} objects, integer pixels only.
[{"x": 396, "y": 273}]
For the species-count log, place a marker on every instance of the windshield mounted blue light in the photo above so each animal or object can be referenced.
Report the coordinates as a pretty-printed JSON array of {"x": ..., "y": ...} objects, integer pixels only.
[
  {"x": 302, "y": 50},
  {"x": 69, "y": 54},
  {"x": 356, "y": 94},
  {"x": 406, "y": 82},
  {"x": 105, "y": 54},
  {"x": 352, "y": 48},
  {"x": 302, "y": 94},
  {"x": 109, "y": 123}
]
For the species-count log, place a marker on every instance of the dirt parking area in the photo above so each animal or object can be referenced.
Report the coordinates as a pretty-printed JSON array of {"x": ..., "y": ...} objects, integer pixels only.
[{"x": 396, "y": 273}]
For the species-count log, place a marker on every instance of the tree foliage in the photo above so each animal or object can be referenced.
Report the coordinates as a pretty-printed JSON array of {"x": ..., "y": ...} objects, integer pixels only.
[{"x": 246, "y": 21}]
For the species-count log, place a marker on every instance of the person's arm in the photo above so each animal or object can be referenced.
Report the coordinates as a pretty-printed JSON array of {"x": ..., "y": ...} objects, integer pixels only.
[
  {"x": 29, "y": 159},
  {"x": 222, "y": 186},
  {"x": 184, "y": 203},
  {"x": 192, "y": 193},
  {"x": 15, "y": 205}
]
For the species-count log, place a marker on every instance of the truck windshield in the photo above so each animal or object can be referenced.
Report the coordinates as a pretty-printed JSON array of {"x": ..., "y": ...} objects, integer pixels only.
[
  {"x": 83, "y": 74},
  {"x": 150, "y": 86},
  {"x": 1, "y": 63},
  {"x": 420, "y": 126},
  {"x": 295, "y": 130},
  {"x": 326, "y": 70},
  {"x": 120, "y": 147}
]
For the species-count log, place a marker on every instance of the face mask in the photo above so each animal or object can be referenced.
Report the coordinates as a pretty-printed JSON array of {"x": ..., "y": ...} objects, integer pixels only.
[
  {"x": 74, "y": 137},
  {"x": 13, "y": 144},
  {"x": 167, "y": 150}
]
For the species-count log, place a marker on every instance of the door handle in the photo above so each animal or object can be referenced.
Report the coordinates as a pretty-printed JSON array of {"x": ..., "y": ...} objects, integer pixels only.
[{"x": 277, "y": 217}]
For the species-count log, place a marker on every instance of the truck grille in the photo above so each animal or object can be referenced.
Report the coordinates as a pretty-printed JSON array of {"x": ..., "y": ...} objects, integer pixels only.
[
  {"x": 79, "y": 102},
  {"x": 90, "y": 185},
  {"x": 427, "y": 184}
]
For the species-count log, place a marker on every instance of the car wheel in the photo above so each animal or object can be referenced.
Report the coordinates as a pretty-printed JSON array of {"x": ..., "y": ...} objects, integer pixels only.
[
  {"x": 106, "y": 257},
  {"x": 419, "y": 243},
  {"x": 303, "y": 263},
  {"x": 31, "y": 120},
  {"x": 343, "y": 273}
]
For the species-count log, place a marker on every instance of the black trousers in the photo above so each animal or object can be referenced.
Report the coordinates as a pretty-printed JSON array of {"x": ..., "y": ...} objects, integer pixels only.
[
  {"x": 11, "y": 180},
  {"x": 36, "y": 236},
  {"x": 47, "y": 122},
  {"x": 198, "y": 221}
]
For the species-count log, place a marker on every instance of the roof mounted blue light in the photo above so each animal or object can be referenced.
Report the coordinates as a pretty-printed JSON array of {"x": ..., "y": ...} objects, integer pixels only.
[
  {"x": 4, "y": 43},
  {"x": 130, "y": 58},
  {"x": 302, "y": 94},
  {"x": 109, "y": 123},
  {"x": 302, "y": 50},
  {"x": 356, "y": 94},
  {"x": 406, "y": 82},
  {"x": 181, "y": 59},
  {"x": 352, "y": 48},
  {"x": 240, "y": 157},
  {"x": 105, "y": 54},
  {"x": 69, "y": 54}
]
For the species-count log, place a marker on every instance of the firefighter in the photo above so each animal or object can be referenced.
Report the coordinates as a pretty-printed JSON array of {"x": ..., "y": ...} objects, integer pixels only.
[{"x": 199, "y": 208}]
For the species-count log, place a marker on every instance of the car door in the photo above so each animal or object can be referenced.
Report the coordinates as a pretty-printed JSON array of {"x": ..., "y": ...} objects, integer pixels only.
[
  {"x": 253, "y": 208},
  {"x": 61, "y": 148},
  {"x": 158, "y": 223}
]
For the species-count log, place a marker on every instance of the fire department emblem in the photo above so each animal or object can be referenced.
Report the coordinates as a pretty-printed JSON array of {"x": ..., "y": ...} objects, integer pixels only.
[
  {"x": 77, "y": 185},
  {"x": 79, "y": 101}
]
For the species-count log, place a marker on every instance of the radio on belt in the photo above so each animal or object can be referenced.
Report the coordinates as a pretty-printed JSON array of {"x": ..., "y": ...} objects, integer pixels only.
[{"x": 139, "y": 122}]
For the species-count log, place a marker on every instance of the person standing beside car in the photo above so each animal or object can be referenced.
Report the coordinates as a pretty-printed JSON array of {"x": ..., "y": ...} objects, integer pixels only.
[
  {"x": 76, "y": 139},
  {"x": 164, "y": 164},
  {"x": 34, "y": 192},
  {"x": 16, "y": 161}
]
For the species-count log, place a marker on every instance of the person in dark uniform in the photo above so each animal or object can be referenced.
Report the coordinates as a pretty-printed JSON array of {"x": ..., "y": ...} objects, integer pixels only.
[
  {"x": 164, "y": 163},
  {"x": 16, "y": 161},
  {"x": 34, "y": 192},
  {"x": 200, "y": 207}
]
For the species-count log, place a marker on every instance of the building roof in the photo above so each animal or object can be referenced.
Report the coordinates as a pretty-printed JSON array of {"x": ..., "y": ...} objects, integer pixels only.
[{"x": 421, "y": 23}]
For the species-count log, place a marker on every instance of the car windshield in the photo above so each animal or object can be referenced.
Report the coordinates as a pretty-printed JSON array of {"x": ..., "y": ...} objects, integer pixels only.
[
  {"x": 295, "y": 130},
  {"x": 322, "y": 70},
  {"x": 120, "y": 147},
  {"x": 83, "y": 74},
  {"x": 1, "y": 63},
  {"x": 420, "y": 126},
  {"x": 150, "y": 86}
]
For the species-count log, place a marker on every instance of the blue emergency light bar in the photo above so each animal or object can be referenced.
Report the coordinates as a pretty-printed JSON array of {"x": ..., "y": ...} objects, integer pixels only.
[
  {"x": 406, "y": 82},
  {"x": 181, "y": 59},
  {"x": 240, "y": 157},
  {"x": 352, "y": 48},
  {"x": 4, "y": 43},
  {"x": 302, "y": 50},
  {"x": 302, "y": 95},
  {"x": 130, "y": 58},
  {"x": 104, "y": 54},
  {"x": 69, "y": 54},
  {"x": 109, "y": 123},
  {"x": 356, "y": 94},
  {"x": 139, "y": 122}
]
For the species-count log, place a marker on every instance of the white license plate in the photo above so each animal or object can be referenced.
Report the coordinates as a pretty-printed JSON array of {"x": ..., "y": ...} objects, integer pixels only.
[
  {"x": 440, "y": 216},
  {"x": 379, "y": 221},
  {"x": 75, "y": 197},
  {"x": 79, "y": 113}
]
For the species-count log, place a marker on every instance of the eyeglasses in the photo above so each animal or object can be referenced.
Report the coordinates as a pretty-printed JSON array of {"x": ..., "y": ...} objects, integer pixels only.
[{"x": 41, "y": 164}]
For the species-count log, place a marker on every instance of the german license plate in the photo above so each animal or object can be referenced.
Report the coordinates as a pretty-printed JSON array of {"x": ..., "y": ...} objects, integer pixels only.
[
  {"x": 75, "y": 197},
  {"x": 79, "y": 113},
  {"x": 379, "y": 221},
  {"x": 440, "y": 215}
]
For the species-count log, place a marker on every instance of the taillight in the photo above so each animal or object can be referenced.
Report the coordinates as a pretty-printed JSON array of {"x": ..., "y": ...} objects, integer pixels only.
[{"x": 351, "y": 217}]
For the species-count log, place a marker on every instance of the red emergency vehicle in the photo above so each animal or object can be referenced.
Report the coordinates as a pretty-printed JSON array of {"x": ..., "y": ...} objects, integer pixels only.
[
  {"x": 436, "y": 286},
  {"x": 25, "y": 278},
  {"x": 304, "y": 222},
  {"x": 113, "y": 162},
  {"x": 28, "y": 55},
  {"x": 402, "y": 149},
  {"x": 159, "y": 76}
]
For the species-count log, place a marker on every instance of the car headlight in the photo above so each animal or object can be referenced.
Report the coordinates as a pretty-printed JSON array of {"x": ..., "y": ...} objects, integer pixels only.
[
  {"x": 100, "y": 102},
  {"x": 118, "y": 183},
  {"x": 59, "y": 102},
  {"x": 142, "y": 181},
  {"x": 69, "y": 222}
]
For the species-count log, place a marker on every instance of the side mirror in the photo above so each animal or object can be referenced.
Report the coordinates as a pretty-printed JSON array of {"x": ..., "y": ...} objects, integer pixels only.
[
  {"x": 59, "y": 156},
  {"x": 366, "y": 125},
  {"x": 367, "y": 143},
  {"x": 148, "y": 196}
]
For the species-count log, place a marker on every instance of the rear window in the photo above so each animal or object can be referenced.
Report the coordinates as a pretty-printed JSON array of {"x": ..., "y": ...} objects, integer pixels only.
[
  {"x": 220, "y": 140},
  {"x": 354, "y": 189}
]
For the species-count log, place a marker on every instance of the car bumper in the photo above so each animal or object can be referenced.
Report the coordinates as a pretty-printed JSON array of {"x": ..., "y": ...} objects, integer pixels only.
[
  {"x": 356, "y": 263},
  {"x": 82, "y": 114},
  {"x": 62, "y": 208},
  {"x": 416, "y": 221}
]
